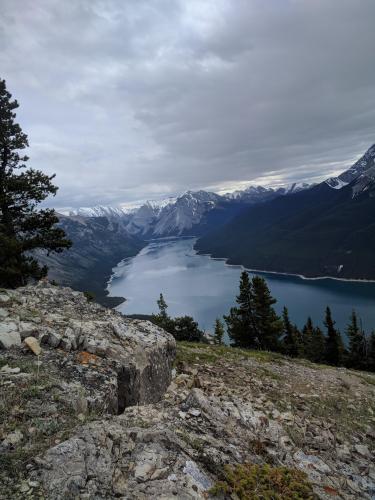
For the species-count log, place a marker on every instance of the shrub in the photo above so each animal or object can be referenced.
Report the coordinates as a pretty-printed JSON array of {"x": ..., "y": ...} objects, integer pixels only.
[{"x": 263, "y": 482}]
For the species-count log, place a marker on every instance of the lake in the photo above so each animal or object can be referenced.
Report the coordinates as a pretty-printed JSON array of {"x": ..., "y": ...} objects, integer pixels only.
[{"x": 205, "y": 288}]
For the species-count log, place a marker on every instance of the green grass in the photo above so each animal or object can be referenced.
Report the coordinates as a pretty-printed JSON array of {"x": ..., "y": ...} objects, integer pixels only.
[
  {"x": 193, "y": 352},
  {"x": 368, "y": 379}
]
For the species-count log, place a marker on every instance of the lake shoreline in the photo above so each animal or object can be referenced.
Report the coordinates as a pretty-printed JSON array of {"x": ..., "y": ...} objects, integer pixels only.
[{"x": 226, "y": 261}]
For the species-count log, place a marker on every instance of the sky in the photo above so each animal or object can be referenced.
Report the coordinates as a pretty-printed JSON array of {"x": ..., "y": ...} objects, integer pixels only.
[{"x": 144, "y": 99}]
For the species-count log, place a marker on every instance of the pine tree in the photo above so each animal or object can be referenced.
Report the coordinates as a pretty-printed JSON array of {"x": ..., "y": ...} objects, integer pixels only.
[
  {"x": 357, "y": 343},
  {"x": 185, "y": 328},
  {"x": 307, "y": 338},
  {"x": 162, "y": 305},
  {"x": 23, "y": 228},
  {"x": 267, "y": 325},
  {"x": 240, "y": 321},
  {"x": 318, "y": 346},
  {"x": 370, "y": 365},
  {"x": 162, "y": 319},
  {"x": 291, "y": 344},
  {"x": 219, "y": 332},
  {"x": 334, "y": 352}
]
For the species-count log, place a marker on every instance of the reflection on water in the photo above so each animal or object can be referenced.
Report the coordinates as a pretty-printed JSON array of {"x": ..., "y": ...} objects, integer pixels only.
[{"x": 205, "y": 288}]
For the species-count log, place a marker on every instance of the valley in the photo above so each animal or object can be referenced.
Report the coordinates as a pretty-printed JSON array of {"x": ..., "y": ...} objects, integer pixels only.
[{"x": 205, "y": 288}]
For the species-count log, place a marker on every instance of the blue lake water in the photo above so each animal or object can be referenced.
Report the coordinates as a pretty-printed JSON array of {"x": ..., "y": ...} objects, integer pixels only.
[{"x": 205, "y": 288}]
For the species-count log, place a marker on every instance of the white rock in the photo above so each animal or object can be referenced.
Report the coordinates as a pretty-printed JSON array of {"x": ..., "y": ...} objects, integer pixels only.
[
  {"x": 14, "y": 437},
  {"x": 194, "y": 412}
]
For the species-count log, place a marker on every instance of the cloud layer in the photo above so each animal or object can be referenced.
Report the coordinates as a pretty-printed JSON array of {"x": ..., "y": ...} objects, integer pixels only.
[{"x": 147, "y": 98}]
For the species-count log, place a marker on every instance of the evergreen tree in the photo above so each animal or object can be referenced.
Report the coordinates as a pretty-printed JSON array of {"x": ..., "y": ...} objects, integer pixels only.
[
  {"x": 240, "y": 321},
  {"x": 307, "y": 338},
  {"x": 267, "y": 325},
  {"x": 334, "y": 352},
  {"x": 357, "y": 343},
  {"x": 185, "y": 328},
  {"x": 162, "y": 319},
  {"x": 23, "y": 228},
  {"x": 371, "y": 353},
  {"x": 291, "y": 344},
  {"x": 219, "y": 332},
  {"x": 162, "y": 305},
  {"x": 318, "y": 346}
]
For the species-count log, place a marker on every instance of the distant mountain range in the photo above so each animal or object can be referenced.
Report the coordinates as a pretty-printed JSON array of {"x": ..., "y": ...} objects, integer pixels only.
[
  {"x": 188, "y": 213},
  {"x": 327, "y": 230}
]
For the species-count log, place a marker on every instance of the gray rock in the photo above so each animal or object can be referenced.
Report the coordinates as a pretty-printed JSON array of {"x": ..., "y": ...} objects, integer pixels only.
[
  {"x": 9, "y": 335},
  {"x": 3, "y": 313},
  {"x": 11, "y": 371},
  {"x": 362, "y": 450}
]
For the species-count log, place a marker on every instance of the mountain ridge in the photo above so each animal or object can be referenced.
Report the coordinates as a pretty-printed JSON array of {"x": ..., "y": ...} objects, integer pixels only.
[
  {"x": 322, "y": 231},
  {"x": 178, "y": 216}
]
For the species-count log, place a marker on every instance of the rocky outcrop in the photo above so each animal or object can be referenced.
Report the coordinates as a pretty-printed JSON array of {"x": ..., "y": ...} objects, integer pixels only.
[{"x": 118, "y": 361}]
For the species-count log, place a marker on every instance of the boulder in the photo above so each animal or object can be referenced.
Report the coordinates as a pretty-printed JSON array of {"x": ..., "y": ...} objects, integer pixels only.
[
  {"x": 136, "y": 354},
  {"x": 33, "y": 345},
  {"x": 9, "y": 335}
]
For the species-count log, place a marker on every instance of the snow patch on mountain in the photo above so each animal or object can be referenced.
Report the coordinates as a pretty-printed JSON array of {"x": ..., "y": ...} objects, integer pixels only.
[{"x": 366, "y": 162}]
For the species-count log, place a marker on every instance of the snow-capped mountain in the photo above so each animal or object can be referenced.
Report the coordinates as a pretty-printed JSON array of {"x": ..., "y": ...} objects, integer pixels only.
[
  {"x": 177, "y": 216},
  {"x": 256, "y": 194},
  {"x": 251, "y": 194},
  {"x": 185, "y": 213},
  {"x": 102, "y": 211},
  {"x": 144, "y": 219},
  {"x": 362, "y": 165},
  {"x": 295, "y": 187}
]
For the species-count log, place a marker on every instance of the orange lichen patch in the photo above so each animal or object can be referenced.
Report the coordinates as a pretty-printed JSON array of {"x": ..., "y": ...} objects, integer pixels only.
[
  {"x": 86, "y": 358},
  {"x": 331, "y": 491}
]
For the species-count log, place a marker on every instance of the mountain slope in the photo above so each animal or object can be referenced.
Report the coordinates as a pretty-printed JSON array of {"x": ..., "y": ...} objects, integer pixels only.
[
  {"x": 98, "y": 245},
  {"x": 364, "y": 163},
  {"x": 320, "y": 231}
]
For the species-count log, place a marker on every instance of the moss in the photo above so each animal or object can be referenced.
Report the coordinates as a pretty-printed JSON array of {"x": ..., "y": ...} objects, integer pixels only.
[
  {"x": 263, "y": 482},
  {"x": 195, "y": 443}
]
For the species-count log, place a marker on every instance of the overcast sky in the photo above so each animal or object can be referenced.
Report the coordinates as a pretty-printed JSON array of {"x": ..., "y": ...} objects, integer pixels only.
[{"x": 133, "y": 99}]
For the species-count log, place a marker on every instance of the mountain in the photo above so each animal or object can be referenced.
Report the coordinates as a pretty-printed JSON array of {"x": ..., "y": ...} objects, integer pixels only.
[
  {"x": 324, "y": 230},
  {"x": 256, "y": 194},
  {"x": 99, "y": 243},
  {"x": 194, "y": 212},
  {"x": 101, "y": 211},
  {"x": 364, "y": 163}
]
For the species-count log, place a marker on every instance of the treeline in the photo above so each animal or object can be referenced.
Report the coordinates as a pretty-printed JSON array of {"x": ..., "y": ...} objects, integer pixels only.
[{"x": 254, "y": 324}]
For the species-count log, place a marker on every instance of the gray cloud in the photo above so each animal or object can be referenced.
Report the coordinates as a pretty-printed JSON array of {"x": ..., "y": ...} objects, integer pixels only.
[{"x": 147, "y": 98}]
